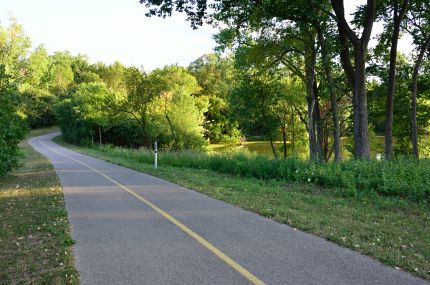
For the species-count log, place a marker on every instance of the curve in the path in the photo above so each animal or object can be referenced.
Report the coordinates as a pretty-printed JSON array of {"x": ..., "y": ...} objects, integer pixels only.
[{"x": 133, "y": 228}]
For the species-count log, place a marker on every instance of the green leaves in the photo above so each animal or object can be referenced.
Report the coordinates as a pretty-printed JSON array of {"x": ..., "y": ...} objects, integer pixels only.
[{"x": 12, "y": 125}]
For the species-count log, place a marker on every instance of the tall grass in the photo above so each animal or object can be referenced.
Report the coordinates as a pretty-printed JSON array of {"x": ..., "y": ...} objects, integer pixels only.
[{"x": 403, "y": 177}]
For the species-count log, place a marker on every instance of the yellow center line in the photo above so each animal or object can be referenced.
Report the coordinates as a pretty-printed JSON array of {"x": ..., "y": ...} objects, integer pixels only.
[{"x": 230, "y": 262}]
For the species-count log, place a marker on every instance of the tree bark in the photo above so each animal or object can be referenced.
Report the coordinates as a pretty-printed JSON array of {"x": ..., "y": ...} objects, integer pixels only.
[
  {"x": 333, "y": 97},
  {"x": 414, "y": 126},
  {"x": 92, "y": 138},
  {"x": 169, "y": 122},
  {"x": 356, "y": 75},
  {"x": 263, "y": 113},
  {"x": 272, "y": 145},
  {"x": 171, "y": 128},
  {"x": 318, "y": 124},
  {"x": 100, "y": 136},
  {"x": 293, "y": 137},
  {"x": 310, "y": 60},
  {"x": 361, "y": 137},
  {"x": 397, "y": 20},
  {"x": 284, "y": 140}
]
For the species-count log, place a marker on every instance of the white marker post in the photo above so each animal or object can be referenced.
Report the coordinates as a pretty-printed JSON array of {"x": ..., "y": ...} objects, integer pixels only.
[{"x": 155, "y": 155}]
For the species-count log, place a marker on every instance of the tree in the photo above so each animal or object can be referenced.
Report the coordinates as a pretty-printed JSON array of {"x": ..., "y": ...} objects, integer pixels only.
[
  {"x": 92, "y": 104},
  {"x": 327, "y": 64},
  {"x": 419, "y": 28},
  {"x": 282, "y": 21},
  {"x": 377, "y": 91},
  {"x": 274, "y": 36},
  {"x": 12, "y": 125},
  {"x": 135, "y": 103},
  {"x": 60, "y": 75},
  {"x": 14, "y": 45},
  {"x": 356, "y": 70},
  {"x": 173, "y": 88},
  {"x": 83, "y": 71},
  {"x": 215, "y": 75},
  {"x": 38, "y": 100},
  {"x": 253, "y": 104},
  {"x": 113, "y": 75},
  {"x": 399, "y": 9},
  {"x": 266, "y": 100},
  {"x": 37, "y": 69}
]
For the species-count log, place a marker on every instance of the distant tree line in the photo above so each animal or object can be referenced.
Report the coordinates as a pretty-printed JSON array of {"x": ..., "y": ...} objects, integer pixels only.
[{"x": 294, "y": 71}]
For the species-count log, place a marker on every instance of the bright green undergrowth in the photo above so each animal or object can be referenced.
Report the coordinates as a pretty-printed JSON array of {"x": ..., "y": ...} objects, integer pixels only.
[
  {"x": 406, "y": 178},
  {"x": 393, "y": 230}
]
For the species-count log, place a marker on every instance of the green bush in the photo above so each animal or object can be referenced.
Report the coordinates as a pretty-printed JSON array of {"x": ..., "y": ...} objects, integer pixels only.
[
  {"x": 39, "y": 108},
  {"x": 12, "y": 130},
  {"x": 75, "y": 129}
]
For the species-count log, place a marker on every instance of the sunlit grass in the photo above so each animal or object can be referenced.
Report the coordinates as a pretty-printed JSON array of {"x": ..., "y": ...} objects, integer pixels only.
[
  {"x": 35, "y": 242},
  {"x": 393, "y": 230}
]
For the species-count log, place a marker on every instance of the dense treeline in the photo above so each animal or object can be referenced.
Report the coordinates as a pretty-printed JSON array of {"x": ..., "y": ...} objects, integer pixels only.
[
  {"x": 129, "y": 107},
  {"x": 294, "y": 71},
  {"x": 316, "y": 42},
  {"x": 181, "y": 108}
]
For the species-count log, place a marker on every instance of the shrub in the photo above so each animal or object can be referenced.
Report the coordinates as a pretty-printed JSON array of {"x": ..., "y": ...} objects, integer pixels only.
[
  {"x": 12, "y": 130},
  {"x": 406, "y": 178}
]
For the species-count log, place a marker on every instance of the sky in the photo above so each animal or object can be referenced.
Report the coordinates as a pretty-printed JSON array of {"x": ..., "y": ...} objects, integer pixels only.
[{"x": 110, "y": 30}]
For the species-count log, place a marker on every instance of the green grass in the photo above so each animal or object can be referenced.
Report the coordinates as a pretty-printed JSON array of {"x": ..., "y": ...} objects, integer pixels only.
[
  {"x": 35, "y": 241},
  {"x": 393, "y": 230},
  {"x": 403, "y": 177}
]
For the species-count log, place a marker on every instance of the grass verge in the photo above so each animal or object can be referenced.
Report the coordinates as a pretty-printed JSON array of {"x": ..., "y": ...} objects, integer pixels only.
[
  {"x": 35, "y": 241},
  {"x": 393, "y": 230},
  {"x": 401, "y": 178}
]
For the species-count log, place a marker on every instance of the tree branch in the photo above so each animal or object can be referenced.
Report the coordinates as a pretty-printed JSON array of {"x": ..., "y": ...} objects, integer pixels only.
[
  {"x": 368, "y": 21},
  {"x": 343, "y": 25}
]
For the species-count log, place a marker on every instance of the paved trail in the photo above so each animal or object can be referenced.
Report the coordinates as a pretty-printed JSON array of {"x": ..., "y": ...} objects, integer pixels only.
[{"x": 133, "y": 228}]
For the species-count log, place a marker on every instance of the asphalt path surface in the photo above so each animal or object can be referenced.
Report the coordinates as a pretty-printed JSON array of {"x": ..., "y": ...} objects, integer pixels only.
[{"x": 133, "y": 228}]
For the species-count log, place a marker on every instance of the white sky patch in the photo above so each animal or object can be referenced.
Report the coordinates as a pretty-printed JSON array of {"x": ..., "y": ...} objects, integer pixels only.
[
  {"x": 405, "y": 42},
  {"x": 109, "y": 30}
]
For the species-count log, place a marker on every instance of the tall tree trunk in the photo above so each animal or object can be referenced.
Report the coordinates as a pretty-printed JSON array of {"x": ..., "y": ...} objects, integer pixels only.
[
  {"x": 333, "y": 97},
  {"x": 171, "y": 129},
  {"x": 318, "y": 125},
  {"x": 166, "y": 115},
  {"x": 272, "y": 145},
  {"x": 310, "y": 60},
  {"x": 356, "y": 75},
  {"x": 414, "y": 126},
  {"x": 311, "y": 126},
  {"x": 327, "y": 153},
  {"x": 397, "y": 20},
  {"x": 361, "y": 132},
  {"x": 284, "y": 140},
  {"x": 92, "y": 137},
  {"x": 147, "y": 137},
  {"x": 100, "y": 136},
  {"x": 293, "y": 137},
  {"x": 266, "y": 121}
]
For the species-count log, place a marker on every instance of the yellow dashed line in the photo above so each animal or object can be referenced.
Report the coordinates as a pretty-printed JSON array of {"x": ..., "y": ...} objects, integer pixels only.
[{"x": 230, "y": 262}]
